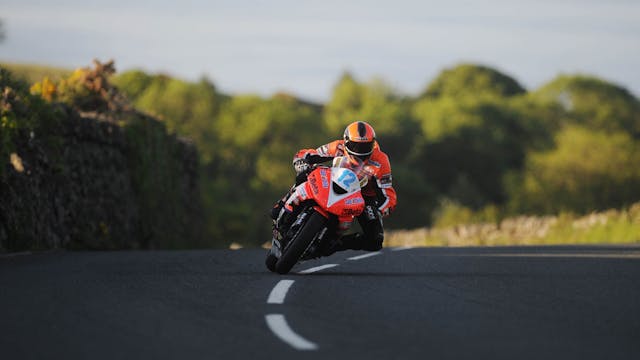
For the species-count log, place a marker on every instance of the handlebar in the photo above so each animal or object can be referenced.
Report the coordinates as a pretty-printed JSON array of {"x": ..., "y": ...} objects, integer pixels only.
[{"x": 316, "y": 159}]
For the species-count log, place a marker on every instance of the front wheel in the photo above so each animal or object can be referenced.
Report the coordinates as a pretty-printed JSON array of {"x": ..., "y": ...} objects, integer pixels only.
[
  {"x": 270, "y": 261},
  {"x": 300, "y": 242}
]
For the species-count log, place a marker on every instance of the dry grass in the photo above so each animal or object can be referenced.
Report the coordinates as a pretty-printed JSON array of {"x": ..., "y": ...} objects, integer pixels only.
[{"x": 608, "y": 227}]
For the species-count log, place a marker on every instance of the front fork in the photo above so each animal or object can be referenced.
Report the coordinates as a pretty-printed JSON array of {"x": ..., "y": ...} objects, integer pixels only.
[
  {"x": 280, "y": 224},
  {"x": 280, "y": 242},
  {"x": 276, "y": 243}
]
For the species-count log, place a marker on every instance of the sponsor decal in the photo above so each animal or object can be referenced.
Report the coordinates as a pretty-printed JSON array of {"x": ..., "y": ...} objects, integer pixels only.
[
  {"x": 385, "y": 181},
  {"x": 314, "y": 185},
  {"x": 354, "y": 201},
  {"x": 323, "y": 150},
  {"x": 350, "y": 212},
  {"x": 302, "y": 193},
  {"x": 324, "y": 179}
]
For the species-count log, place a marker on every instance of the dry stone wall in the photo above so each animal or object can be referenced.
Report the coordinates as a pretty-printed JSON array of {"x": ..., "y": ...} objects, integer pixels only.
[{"x": 93, "y": 183}]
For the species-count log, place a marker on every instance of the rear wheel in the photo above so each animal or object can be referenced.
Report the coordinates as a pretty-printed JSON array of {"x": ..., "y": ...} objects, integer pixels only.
[{"x": 300, "y": 242}]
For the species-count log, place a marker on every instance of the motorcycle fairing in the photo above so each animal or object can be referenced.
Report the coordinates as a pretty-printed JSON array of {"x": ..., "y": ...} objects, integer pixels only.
[{"x": 346, "y": 202}]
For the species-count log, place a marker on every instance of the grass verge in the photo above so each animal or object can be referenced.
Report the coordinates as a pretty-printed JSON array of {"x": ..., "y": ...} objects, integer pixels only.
[{"x": 607, "y": 227}]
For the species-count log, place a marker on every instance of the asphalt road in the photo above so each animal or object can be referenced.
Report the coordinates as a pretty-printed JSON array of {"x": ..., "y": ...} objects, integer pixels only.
[{"x": 423, "y": 303}]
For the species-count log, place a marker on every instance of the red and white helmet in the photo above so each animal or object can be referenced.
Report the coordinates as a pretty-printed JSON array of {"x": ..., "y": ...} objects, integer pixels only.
[{"x": 359, "y": 139}]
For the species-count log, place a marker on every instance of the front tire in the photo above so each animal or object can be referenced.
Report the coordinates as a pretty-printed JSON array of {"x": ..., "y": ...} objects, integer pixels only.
[
  {"x": 300, "y": 242},
  {"x": 271, "y": 261}
]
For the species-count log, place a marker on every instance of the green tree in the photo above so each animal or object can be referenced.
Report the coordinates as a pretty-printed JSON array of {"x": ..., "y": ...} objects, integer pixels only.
[
  {"x": 377, "y": 103},
  {"x": 472, "y": 80},
  {"x": 470, "y": 144},
  {"x": 257, "y": 140},
  {"x": 187, "y": 109},
  {"x": 345, "y": 103},
  {"x": 593, "y": 103},
  {"x": 133, "y": 83},
  {"x": 477, "y": 126},
  {"x": 474, "y": 137},
  {"x": 588, "y": 170}
]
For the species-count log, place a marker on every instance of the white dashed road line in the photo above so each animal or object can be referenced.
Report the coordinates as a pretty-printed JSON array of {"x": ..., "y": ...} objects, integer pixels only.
[
  {"x": 317, "y": 268},
  {"x": 279, "y": 292},
  {"x": 277, "y": 322},
  {"x": 401, "y": 248},
  {"x": 279, "y": 326},
  {"x": 360, "y": 257}
]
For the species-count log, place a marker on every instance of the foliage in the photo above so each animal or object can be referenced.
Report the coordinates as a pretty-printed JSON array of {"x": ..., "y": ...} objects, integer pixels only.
[
  {"x": 375, "y": 102},
  {"x": 256, "y": 141},
  {"x": 186, "y": 109},
  {"x": 606, "y": 227},
  {"x": 158, "y": 164},
  {"x": 594, "y": 103},
  {"x": 475, "y": 146},
  {"x": 245, "y": 144},
  {"x": 345, "y": 103},
  {"x": 21, "y": 112},
  {"x": 450, "y": 213},
  {"x": 587, "y": 170},
  {"x": 468, "y": 140},
  {"x": 86, "y": 89},
  {"x": 472, "y": 80},
  {"x": 133, "y": 83},
  {"x": 160, "y": 168},
  {"x": 469, "y": 144}
]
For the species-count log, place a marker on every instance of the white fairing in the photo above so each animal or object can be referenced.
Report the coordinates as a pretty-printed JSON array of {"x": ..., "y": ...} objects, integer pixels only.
[{"x": 347, "y": 180}]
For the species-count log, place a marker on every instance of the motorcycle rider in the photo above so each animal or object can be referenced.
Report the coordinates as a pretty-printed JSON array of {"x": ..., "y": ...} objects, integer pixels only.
[{"x": 358, "y": 143}]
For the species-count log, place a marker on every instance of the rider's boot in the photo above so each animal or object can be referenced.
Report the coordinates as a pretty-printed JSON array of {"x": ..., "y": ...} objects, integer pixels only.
[{"x": 346, "y": 242}]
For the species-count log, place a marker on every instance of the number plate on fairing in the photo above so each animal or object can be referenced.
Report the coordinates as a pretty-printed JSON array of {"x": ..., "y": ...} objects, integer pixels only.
[{"x": 347, "y": 180}]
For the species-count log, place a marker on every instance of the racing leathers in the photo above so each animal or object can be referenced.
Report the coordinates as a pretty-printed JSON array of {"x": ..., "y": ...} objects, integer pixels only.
[{"x": 377, "y": 191}]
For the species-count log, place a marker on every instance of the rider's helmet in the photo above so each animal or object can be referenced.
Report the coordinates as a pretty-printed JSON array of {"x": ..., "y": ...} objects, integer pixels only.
[{"x": 359, "y": 140}]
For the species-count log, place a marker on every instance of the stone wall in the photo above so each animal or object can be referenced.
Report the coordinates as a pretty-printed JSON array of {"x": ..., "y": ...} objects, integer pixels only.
[{"x": 95, "y": 183}]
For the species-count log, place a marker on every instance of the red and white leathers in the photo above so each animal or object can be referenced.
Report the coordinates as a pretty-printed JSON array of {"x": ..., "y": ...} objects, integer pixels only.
[{"x": 378, "y": 187}]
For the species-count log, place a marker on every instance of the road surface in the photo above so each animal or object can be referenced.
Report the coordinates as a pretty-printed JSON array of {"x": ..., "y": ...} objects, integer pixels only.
[{"x": 424, "y": 303}]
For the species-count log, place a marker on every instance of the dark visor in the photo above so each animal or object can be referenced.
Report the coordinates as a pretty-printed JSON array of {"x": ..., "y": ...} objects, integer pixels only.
[{"x": 360, "y": 148}]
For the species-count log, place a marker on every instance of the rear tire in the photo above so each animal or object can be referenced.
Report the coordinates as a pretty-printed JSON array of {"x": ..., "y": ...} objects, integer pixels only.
[{"x": 300, "y": 242}]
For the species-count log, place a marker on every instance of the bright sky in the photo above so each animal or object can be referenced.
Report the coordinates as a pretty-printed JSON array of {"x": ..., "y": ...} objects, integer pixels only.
[{"x": 303, "y": 46}]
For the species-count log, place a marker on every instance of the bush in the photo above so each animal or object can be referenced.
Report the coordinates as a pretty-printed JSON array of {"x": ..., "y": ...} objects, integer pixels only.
[{"x": 587, "y": 171}]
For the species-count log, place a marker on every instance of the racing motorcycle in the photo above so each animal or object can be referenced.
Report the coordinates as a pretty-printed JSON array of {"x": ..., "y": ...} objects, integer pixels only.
[{"x": 316, "y": 213}]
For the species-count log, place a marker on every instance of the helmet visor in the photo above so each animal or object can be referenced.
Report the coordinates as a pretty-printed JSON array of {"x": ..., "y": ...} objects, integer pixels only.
[{"x": 360, "y": 149}]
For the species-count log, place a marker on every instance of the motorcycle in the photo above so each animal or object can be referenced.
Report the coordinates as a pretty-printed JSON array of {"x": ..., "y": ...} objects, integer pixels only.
[{"x": 316, "y": 213}]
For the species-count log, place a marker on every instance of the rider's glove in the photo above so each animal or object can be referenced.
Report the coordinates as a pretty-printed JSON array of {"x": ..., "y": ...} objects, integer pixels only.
[{"x": 300, "y": 166}]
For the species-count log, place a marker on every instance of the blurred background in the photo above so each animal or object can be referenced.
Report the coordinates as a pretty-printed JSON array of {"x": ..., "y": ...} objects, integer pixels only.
[{"x": 490, "y": 110}]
